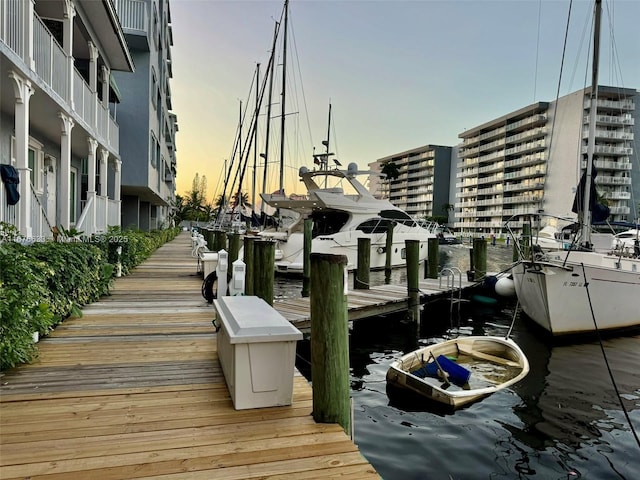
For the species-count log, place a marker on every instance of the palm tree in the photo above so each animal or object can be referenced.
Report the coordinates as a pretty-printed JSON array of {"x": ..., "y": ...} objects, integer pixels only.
[{"x": 390, "y": 170}]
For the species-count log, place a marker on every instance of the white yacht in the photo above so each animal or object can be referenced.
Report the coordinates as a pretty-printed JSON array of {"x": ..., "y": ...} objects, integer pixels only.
[{"x": 341, "y": 214}]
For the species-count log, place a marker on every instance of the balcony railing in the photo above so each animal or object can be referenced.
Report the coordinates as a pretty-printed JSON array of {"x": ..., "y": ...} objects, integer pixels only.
[
  {"x": 53, "y": 67},
  {"x": 132, "y": 14}
]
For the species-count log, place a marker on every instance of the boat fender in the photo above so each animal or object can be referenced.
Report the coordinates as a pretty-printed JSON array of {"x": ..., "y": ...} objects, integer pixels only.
[
  {"x": 208, "y": 292},
  {"x": 505, "y": 287}
]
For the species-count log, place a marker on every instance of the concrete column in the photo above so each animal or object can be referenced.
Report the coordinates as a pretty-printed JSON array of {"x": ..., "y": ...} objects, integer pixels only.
[
  {"x": 65, "y": 169},
  {"x": 105, "y": 86},
  {"x": 23, "y": 90},
  {"x": 91, "y": 160},
  {"x": 28, "y": 35},
  {"x": 104, "y": 156},
  {"x": 118, "y": 180},
  {"x": 67, "y": 45},
  {"x": 93, "y": 66},
  {"x": 91, "y": 188}
]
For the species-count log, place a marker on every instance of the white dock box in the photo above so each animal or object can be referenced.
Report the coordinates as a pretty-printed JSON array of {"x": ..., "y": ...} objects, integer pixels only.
[
  {"x": 209, "y": 261},
  {"x": 257, "y": 352}
]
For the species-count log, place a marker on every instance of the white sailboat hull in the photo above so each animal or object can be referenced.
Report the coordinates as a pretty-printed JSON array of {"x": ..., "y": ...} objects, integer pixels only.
[{"x": 556, "y": 298}]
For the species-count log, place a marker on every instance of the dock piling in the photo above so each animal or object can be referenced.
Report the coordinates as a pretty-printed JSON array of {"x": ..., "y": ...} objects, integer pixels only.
[
  {"x": 413, "y": 286},
  {"x": 330, "y": 340},
  {"x": 479, "y": 258},
  {"x": 306, "y": 265},
  {"x": 264, "y": 262},
  {"x": 388, "y": 252},
  {"x": 250, "y": 268},
  {"x": 361, "y": 276},
  {"x": 432, "y": 258}
]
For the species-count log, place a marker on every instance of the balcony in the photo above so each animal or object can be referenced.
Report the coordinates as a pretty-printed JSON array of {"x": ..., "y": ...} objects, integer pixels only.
[
  {"x": 609, "y": 165},
  {"x": 608, "y": 180},
  {"x": 625, "y": 119},
  {"x": 52, "y": 68},
  {"x": 609, "y": 150},
  {"x": 133, "y": 16},
  {"x": 617, "y": 105}
]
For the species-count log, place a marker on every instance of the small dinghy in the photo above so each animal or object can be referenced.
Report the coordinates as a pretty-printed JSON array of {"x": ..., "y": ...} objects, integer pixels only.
[{"x": 460, "y": 371}]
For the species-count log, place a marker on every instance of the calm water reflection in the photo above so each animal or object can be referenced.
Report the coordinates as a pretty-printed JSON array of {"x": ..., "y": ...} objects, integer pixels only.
[{"x": 563, "y": 421}]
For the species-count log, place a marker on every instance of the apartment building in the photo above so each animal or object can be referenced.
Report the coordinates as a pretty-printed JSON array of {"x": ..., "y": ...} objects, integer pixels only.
[
  {"x": 422, "y": 187},
  {"x": 58, "y": 136},
  {"x": 147, "y": 125},
  {"x": 530, "y": 161}
]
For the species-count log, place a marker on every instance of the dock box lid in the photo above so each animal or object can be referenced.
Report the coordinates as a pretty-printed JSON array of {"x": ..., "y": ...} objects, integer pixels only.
[{"x": 249, "y": 319}]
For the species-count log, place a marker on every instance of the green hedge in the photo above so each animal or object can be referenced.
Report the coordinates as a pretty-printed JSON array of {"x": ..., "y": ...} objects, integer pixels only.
[{"x": 43, "y": 283}]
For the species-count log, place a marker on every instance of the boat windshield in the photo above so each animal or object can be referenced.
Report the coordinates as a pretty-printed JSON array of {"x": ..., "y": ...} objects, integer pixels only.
[
  {"x": 328, "y": 222},
  {"x": 375, "y": 225},
  {"x": 398, "y": 216}
]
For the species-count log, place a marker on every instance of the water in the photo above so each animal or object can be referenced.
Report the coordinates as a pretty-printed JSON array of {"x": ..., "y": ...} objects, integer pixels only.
[{"x": 563, "y": 421}]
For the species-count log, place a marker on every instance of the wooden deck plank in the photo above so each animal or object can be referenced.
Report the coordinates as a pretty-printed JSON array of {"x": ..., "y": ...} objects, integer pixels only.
[{"x": 134, "y": 389}]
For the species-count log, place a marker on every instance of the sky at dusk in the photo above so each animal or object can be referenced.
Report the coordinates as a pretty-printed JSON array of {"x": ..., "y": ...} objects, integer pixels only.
[{"x": 398, "y": 74}]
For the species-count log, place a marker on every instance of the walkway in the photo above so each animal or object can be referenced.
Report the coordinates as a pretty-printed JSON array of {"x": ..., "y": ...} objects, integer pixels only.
[{"x": 133, "y": 389}]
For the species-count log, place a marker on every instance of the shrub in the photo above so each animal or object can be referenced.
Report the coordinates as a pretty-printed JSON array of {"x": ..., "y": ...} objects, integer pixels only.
[{"x": 44, "y": 283}]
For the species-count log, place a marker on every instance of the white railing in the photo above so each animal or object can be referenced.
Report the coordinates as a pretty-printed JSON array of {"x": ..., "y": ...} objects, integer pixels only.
[
  {"x": 101, "y": 213},
  {"x": 132, "y": 14},
  {"x": 12, "y": 18},
  {"x": 113, "y": 213},
  {"x": 85, "y": 222}
]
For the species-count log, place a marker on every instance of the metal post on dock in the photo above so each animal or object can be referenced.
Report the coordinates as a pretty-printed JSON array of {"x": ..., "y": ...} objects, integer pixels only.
[
  {"x": 361, "y": 277},
  {"x": 479, "y": 258},
  {"x": 388, "y": 252},
  {"x": 330, "y": 340},
  {"x": 432, "y": 258},
  {"x": 248, "y": 254},
  {"x": 413, "y": 286},
  {"x": 264, "y": 252},
  {"x": 306, "y": 263}
]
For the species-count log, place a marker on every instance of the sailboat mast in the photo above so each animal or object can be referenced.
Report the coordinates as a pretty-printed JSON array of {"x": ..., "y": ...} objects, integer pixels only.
[
  {"x": 326, "y": 144},
  {"x": 284, "y": 92},
  {"x": 270, "y": 71},
  {"x": 255, "y": 141},
  {"x": 586, "y": 211}
]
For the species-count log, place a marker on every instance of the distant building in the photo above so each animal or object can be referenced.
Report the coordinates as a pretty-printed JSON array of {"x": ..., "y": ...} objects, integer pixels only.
[
  {"x": 530, "y": 161},
  {"x": 56, "y": 130},
  {"x": 422, "y": 187},
  {"x": 147, "y": 125}
]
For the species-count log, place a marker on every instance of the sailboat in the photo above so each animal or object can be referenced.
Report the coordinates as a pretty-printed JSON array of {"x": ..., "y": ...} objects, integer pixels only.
[{"x": 582, "y": 291}]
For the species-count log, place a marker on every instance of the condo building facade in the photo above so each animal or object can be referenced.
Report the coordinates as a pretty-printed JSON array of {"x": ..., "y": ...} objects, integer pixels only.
[
  {"x": 530, "y": 162},
  {"x": 147, "y": 124},
  {"x": 422, "y": 186},
  {"x": 59, "y": 140}
]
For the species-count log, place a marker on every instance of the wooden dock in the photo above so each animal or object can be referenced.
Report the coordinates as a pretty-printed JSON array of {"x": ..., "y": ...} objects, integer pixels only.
[{"x": 133, "y": 389}]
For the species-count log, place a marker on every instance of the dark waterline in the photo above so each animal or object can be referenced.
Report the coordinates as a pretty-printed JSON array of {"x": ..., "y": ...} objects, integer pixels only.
[{"x": 563, "y": 421}]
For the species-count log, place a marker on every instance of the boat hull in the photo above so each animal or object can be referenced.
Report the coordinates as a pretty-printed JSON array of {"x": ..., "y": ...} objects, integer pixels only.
[
  {"x": 291, "y": 253},
  {"x": 559, "y": 299},
  {"x": 502, "y": 358}
]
